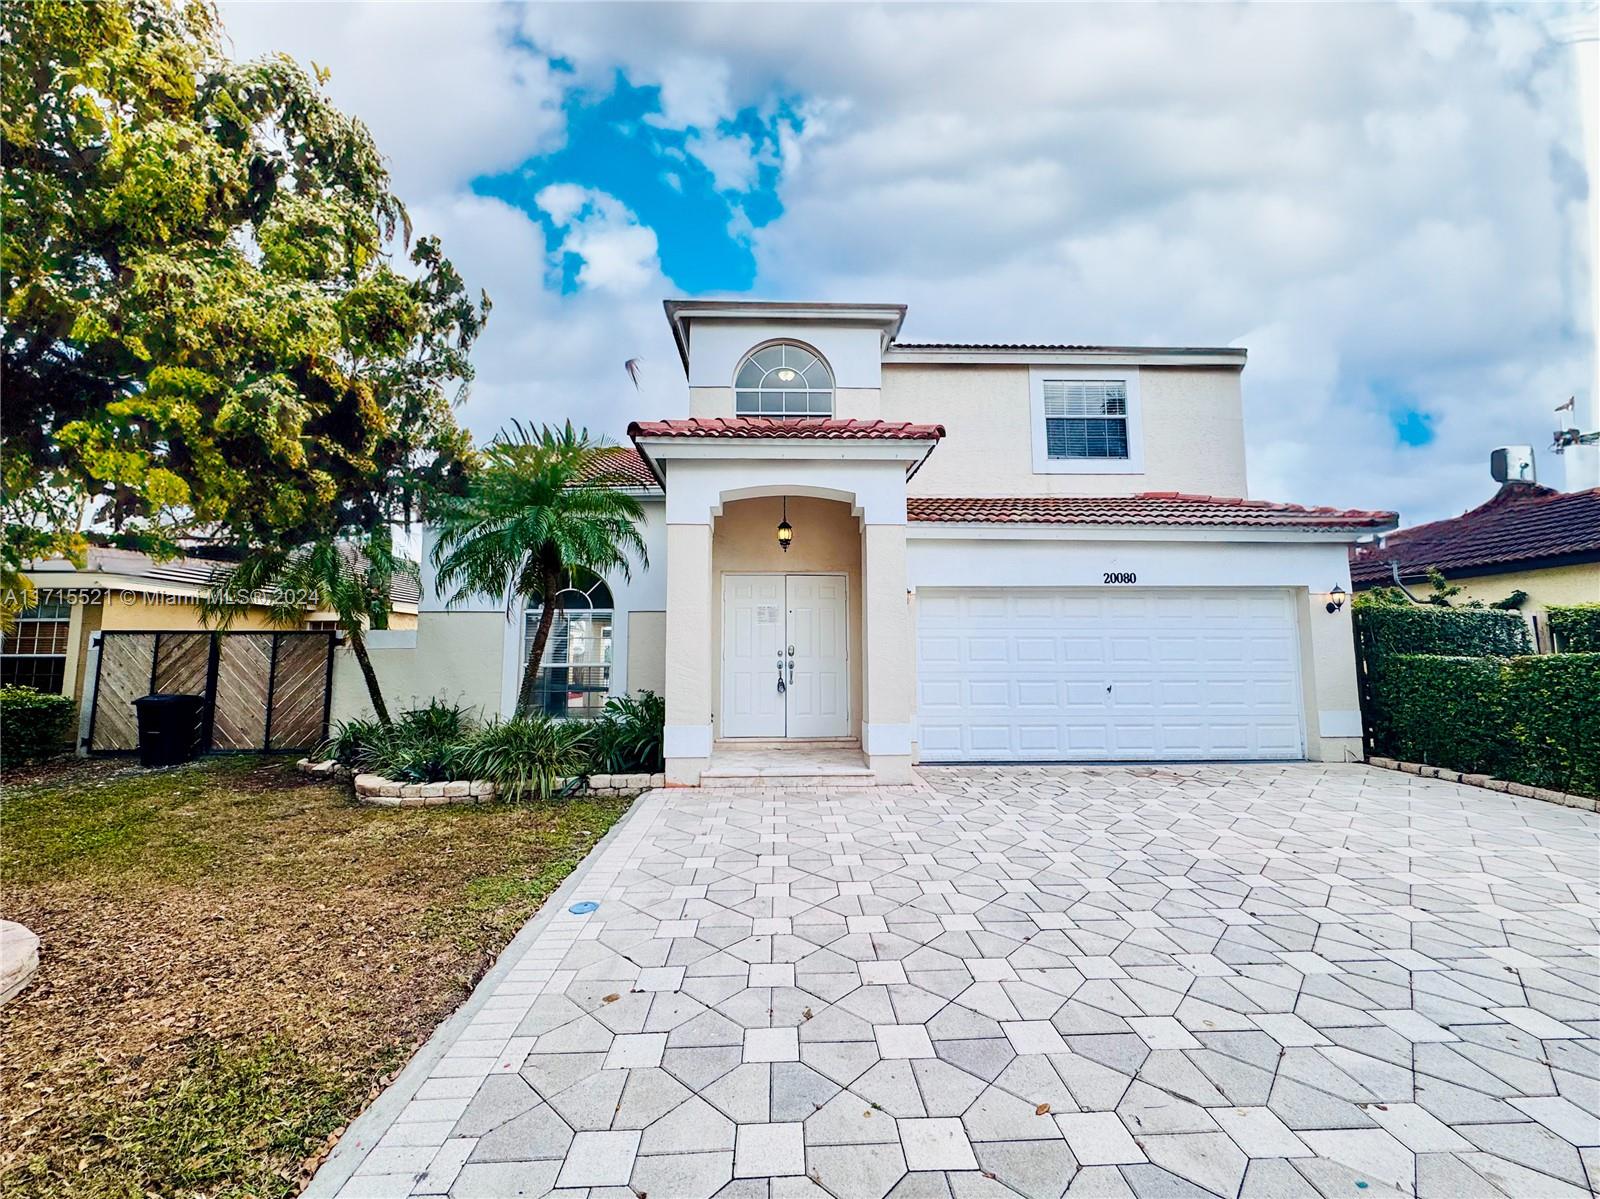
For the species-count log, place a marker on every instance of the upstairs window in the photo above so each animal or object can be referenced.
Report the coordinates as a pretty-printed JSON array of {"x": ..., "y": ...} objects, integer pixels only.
[
  {"x": 785, "y": 381},
  {"x": 1086, "y": 418}
]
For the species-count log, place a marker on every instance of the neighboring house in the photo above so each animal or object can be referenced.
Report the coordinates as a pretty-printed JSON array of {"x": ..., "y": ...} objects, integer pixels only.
[
  {"x": 997, "y": 553},
  {"x": 1524, "y": 538},
  {"x": 123, "y": 590}
]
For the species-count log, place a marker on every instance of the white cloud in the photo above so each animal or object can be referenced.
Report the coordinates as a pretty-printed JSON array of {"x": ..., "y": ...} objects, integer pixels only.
[
  {"x": 619, "y": 254},
  {"x": 1366, "y": 196},
  {"x": 442, "y": 87}
]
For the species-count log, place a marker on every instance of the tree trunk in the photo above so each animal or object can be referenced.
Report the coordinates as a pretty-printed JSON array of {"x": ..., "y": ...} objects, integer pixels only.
[
  {"x": 358, "y": 645},
  {"x": 547, "y": 619}
]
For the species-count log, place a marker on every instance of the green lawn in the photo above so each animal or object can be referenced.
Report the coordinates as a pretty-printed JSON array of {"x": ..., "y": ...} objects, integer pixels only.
[{"x": 234, "y": 959}]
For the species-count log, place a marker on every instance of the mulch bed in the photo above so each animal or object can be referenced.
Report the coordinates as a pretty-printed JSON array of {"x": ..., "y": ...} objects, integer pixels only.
[{"x": 234, "y": 959}]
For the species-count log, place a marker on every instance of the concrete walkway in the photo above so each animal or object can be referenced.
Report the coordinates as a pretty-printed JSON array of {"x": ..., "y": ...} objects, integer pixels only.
[{"x": 1294, "y": 980}]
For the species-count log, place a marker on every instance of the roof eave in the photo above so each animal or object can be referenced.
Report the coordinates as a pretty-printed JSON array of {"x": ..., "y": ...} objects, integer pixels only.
[{"x": 887, "y": 317}]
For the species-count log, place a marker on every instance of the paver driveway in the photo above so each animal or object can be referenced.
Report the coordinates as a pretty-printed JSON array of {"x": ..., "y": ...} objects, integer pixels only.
[{"x": 1229, "y": 980}]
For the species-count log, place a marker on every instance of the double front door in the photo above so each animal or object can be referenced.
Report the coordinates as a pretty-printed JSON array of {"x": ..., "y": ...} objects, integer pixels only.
[{"x": 785, "y": 667}]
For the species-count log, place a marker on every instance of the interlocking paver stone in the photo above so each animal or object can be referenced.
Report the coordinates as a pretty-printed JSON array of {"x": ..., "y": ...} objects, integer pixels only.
[{"x": 1283, "y": 980}]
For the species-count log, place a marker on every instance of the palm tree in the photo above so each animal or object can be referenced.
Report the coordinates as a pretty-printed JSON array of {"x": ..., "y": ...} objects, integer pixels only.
[
  {"x": 349, "y": 576},
  {"x": 540, "y": 504}
]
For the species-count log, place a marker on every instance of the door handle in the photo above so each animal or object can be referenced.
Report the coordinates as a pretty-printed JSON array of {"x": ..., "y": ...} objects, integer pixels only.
[
  {"x": 791, "y": 670},
  {"x": 781, "y": 687}
]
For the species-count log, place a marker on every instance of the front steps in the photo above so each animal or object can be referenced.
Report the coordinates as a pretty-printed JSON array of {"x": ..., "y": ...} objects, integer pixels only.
[{"x": 787, "y": 764}]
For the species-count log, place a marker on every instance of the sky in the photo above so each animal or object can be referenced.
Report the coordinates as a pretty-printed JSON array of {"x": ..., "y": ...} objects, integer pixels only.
[{"x": 1383, "y": 204}]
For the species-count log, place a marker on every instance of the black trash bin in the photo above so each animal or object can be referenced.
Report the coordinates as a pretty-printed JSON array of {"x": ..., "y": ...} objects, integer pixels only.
[{"x": 169, "y": 728}]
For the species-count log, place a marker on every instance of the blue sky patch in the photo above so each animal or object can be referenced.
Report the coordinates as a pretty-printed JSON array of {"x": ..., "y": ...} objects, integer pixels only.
[
  {"x": 612, "y": 146},
  {"x": 1413, "y": 425}
]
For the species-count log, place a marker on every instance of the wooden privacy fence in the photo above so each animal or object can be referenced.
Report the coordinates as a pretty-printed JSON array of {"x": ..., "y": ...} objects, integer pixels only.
[{"x": 262, "y": 691}]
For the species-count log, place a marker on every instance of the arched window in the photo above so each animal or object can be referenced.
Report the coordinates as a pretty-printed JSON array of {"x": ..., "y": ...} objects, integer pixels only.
[
  {"x": 575, "y": 676},
  {"x": 783, "y": 380}
]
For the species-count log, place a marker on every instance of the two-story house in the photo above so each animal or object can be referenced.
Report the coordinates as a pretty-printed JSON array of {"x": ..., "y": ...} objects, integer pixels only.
[{"x": 944, "y": 553}]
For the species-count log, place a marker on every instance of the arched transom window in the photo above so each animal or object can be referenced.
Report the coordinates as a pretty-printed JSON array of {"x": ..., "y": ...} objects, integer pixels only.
[
  {"x": 783, "y": 380},
  {"x": 575, "y": 676}
]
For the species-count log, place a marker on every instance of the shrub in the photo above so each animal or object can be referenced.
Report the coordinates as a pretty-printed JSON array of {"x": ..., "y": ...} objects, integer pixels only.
[
  {"x": 1440, "y": 711},
  {"x": 438, "y": 721},
  {"x": 423, "y": 745},
  {"x": 349, "y": 741},
  {"x": 526, "y": 755},
  {"x": 627, "y": 738},
  {"x": 1551, "y": 715},
  {"x": 1452, "y": 632},
  {"x": 1576, "y": 628},
  {"x": 33, "y": 724}
]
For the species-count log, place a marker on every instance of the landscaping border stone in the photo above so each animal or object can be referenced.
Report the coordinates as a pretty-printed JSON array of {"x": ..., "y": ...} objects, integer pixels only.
[
  {"x": 1566, "y": 799},
  {"x": 19, "y": 958},
  {"x": 390, "y": 793}
]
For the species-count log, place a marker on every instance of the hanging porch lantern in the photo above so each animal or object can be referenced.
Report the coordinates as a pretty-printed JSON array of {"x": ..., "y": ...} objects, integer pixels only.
[{"x": 785, "y": 529}]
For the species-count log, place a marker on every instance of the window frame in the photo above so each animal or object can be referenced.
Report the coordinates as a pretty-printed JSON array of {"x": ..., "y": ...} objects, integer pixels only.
[
  {"x": 30, "y": 616},
  {"x": 587, "y": 611},
  {"x": 757, "y": 391},
  {"x": 1043, "y": 463}
]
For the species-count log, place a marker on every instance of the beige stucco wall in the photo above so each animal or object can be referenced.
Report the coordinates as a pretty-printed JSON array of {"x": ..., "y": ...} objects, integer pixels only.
[
  {"x": 1193, "y": 426},
  {"x": 133, "y": 611},
  {"x": 827, "y": 539},
  {"x": 1558, "y": 585},
  {"x": 453, "y": 656},
  {"x": 849, "y": 403},
  {"x": 1327, "y": 677},
  {"x": 647, "y": 652},
  {"x": 689, "y": 656}
]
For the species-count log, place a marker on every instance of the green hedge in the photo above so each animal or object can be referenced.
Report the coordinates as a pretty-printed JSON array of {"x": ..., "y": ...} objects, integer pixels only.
[
  {"x": 1452, "y": 632},
  {"x": 1577, "y": 628},
  {"x": 33, "y": 724},
  {"x": 1532, "y": 719},
  {"x": 1551, "y": 716},
  {"x": 1439, "y": 711}
]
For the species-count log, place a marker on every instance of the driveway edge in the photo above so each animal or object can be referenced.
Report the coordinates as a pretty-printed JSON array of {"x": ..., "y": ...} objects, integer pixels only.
[{"x": 362, "y": 1133}]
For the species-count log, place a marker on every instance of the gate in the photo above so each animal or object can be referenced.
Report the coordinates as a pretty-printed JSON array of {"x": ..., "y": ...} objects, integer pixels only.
[{"x": 264, "y": 692}]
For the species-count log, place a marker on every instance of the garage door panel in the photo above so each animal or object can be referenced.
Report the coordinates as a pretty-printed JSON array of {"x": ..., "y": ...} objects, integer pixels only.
[
  {"x": 1086, "y": 739},
  {"x": 1033, "y": 649},
  {"x": 989, "y": 693},
  {"x": 986, "y": 649},
  {"x": 1067, "y": 674},
  {"x": 1038, "y": 693},
  {"x": 1084, "y": 650},
  {"x": 991, "y": 738}
]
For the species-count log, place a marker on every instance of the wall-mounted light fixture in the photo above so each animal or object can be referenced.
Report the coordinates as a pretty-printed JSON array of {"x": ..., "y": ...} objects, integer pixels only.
[
  {"x": 1335, "y": 599},
  {"x": 786, "y": 530}
]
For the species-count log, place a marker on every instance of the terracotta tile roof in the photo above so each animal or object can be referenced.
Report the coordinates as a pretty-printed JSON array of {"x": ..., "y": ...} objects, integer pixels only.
[
  {"x": 1522, "y": 523},
  {"x": 1146, "y": 508},
  {"x": 192, "y": 570},
  {"x": 624, "y": 467},
  {"x": 768, "y": 427}
]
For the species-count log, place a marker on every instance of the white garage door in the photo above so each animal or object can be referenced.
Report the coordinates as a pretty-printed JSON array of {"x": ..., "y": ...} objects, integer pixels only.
[{"x": 1057, "y": 675}]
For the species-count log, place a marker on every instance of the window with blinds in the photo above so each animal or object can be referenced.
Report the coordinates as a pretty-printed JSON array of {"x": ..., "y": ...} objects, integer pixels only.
[
  {"x": 34, "y": 652},
  {"x": 1086, "y": 418}
]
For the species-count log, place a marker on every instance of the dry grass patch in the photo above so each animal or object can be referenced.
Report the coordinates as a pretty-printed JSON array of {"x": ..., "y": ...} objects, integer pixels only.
[{"x": 233, "y": 957}]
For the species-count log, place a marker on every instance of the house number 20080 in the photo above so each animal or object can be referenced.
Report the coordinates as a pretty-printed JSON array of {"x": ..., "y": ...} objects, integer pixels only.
[{"x": 1119, "y": 576}]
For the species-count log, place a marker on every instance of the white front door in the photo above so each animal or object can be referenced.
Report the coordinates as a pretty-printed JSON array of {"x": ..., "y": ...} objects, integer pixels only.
[{"x": 785, "y": 671}]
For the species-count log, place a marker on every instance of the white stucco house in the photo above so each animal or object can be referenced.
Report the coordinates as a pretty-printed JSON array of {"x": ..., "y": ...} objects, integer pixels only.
[{"x": 994, "y": 553}]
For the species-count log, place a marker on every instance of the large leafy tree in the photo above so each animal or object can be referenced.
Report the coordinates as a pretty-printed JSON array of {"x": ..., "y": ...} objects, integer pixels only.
[
  {"x": 205, "y": 332},
  {"x": 351, "y": 578},
  {"x": 540, "y": 504}
]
